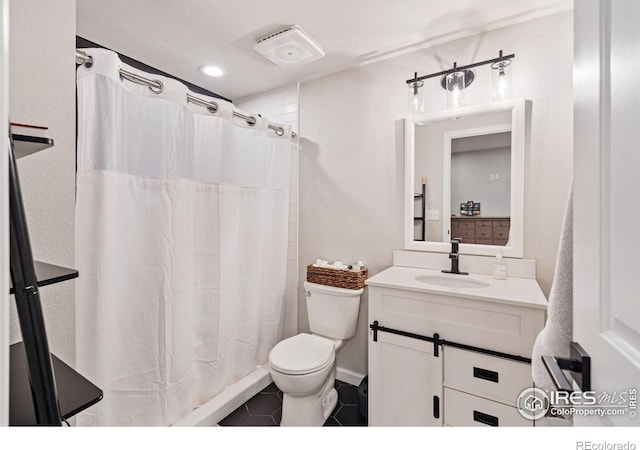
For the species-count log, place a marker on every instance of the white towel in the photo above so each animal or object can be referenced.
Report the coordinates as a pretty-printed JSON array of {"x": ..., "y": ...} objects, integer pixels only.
[
  {"x": 321, "y": 263},
  {"x": 334, "y": 265},
  {"x": 339, "y": 265},
  {"x": 557, "y": 334}
]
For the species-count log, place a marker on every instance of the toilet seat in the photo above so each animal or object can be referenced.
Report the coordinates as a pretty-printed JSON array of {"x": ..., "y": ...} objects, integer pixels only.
[{"x": 302, "y": 354}]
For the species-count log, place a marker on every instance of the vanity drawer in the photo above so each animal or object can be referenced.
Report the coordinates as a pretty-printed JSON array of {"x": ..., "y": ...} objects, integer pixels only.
[
  {"x": 489, "y": 376},
  {"x": 466, "y": 410},
  {"x": 500, "y": 241},
  {"x": 466, "y": 234},
  {"x": 484, "y": 241},
  {"x": 483, "y": 233},
  {"x": 466, "y": 224},
  {"x": 483, "y": 224},
  {"x": 501, "y": 233},
  {"x": 501, "y": 224}
]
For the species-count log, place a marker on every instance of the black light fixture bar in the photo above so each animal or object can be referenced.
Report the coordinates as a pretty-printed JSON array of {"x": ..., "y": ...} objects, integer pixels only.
[{"x": 461, "y": 68}]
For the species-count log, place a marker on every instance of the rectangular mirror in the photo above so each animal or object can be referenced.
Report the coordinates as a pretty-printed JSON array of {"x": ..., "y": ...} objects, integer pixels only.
[{"x": 464, "y": 179}]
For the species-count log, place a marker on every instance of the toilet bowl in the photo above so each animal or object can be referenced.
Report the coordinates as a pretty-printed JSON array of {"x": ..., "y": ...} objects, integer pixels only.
[
  {"x": 303, "y": 367},
  {"x": 306, "y": 390}
]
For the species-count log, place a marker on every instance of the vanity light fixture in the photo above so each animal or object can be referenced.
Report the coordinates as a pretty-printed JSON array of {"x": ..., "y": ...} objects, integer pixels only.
[
  {"x": 457, "y": 79},
  {"x": 212, "y": 71}
]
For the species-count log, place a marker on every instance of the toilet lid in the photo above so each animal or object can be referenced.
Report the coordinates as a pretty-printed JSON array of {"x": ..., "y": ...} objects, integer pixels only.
[{"x": 300, "y": 354}]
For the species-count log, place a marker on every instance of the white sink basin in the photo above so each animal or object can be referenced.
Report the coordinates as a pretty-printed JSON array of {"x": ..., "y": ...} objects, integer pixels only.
[{"x": 454, "y": 281}]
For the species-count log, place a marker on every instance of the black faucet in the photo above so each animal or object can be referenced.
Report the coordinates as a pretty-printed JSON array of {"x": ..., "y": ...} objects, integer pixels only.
[{"x": 454, "y": 257}]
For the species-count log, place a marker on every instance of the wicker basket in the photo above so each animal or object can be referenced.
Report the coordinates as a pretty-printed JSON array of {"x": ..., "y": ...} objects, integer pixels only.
[{"x": 346, "y": 279}]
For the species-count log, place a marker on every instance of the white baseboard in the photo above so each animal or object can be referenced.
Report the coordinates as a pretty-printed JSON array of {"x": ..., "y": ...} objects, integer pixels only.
[
  {"x": 348, "y": 376},
  {"x": 227, "y": 401}
]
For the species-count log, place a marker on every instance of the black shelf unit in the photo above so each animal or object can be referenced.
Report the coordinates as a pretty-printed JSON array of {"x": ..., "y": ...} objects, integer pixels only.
[
  {"x": 27, "y": 145},
  {"x": 422, "y": 219},
  {"x": 43, "y": 389},
  {"x": 75, "y": 393},
  {"x": 50, "y": 274}
]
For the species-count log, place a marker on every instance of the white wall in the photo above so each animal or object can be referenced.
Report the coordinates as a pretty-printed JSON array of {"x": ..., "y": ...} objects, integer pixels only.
[
  {"x": 42, "y": 90},
  {"x": 471, "y": 180},
  {"x": 352, "y": 155},
  {"x": 4, "y": 215},
  {"x": 281, "y": 106}
]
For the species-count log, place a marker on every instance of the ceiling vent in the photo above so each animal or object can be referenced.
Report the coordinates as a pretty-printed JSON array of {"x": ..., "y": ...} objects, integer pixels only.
[{"x": 289, "y": 47}]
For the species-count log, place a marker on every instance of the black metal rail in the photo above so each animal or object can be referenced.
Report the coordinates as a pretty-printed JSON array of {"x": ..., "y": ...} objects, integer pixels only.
[
  {"x": 29, "y": 308},
  {"x": 457, "y": 68},
  {"x": 437, "y": 342}
]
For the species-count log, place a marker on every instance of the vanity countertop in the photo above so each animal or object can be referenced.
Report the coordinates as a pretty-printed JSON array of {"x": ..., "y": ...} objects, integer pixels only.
[{"x": 512, "y": 291}]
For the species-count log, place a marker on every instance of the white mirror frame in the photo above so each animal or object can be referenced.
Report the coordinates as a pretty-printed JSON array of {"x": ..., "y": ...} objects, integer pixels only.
[{"x": 514, "y": 247}]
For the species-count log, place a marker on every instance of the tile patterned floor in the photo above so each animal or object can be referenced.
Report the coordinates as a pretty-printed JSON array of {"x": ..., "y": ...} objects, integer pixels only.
[{"x": 265, "y": 409}]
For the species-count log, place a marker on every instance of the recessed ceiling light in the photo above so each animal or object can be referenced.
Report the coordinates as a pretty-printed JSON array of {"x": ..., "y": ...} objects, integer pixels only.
[{"x": 212, "y": 71}]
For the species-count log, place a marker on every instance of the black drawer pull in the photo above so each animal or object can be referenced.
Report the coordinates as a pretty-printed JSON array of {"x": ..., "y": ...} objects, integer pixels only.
[
  {"x": 436, "y": 407},
  {"x": 485, "y": 374},
  {"x": 486, "y": 419}
]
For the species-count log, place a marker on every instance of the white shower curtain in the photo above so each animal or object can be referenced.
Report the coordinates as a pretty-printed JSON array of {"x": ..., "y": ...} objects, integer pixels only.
[{"x": 181, "y": 245}]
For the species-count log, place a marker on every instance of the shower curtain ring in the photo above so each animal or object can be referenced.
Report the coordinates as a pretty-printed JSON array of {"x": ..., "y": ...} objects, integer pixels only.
[{"x": 157, "y": 89}]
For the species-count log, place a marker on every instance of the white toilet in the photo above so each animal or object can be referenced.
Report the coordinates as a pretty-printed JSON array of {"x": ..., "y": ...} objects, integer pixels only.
[{"x": 304, "y": 366}]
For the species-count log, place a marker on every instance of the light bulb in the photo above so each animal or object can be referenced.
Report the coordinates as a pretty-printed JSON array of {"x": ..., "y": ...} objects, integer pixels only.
[
  {"x": 456, "y": 96},
  {"x": 212, "y": 71},
  {"x": 502, "y": 87}
]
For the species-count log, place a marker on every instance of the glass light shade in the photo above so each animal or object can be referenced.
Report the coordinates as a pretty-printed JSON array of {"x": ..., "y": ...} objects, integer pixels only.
[
  {"x": 416, "y": 97},
  {"x": 501, "y": 79},
  {"x": 455, "y": 84}
]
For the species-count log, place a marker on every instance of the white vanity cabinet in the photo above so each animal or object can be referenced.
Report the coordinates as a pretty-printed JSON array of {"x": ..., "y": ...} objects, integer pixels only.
[{"x": 473, "y": 373}]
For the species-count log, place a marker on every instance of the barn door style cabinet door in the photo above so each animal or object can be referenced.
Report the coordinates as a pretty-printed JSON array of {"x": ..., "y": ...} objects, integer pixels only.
[{"x": 406, "y": 378}]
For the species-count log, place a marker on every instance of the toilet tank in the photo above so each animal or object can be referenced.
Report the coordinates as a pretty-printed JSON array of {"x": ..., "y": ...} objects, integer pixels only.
[{"x": 332, "y": 311}]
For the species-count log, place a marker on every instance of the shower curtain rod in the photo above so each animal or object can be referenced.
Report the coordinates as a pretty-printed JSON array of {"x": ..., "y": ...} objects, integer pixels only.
[{"x": 156, "y": 87}]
